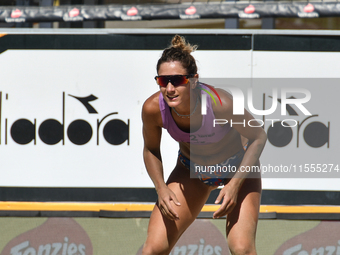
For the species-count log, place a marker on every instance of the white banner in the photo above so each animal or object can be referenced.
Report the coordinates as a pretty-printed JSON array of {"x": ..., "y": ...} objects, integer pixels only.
[{"x": 72, "y": 118}]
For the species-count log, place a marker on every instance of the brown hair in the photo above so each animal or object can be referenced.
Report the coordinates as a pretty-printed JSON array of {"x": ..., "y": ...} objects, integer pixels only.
[{"x": 179, "y": 51}]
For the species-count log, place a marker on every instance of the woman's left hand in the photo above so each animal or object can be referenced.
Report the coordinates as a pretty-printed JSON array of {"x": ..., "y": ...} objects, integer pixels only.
[{"x": 229, "y": 195}]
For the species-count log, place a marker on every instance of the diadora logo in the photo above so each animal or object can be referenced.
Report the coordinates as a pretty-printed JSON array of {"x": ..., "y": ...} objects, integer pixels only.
[
  {"x": 52, "y": 131},
  {"x": 281, "y": 132}
]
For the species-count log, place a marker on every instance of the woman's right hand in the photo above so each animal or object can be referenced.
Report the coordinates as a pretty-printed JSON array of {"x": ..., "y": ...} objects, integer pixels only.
[{"x": 165, "y": 200}]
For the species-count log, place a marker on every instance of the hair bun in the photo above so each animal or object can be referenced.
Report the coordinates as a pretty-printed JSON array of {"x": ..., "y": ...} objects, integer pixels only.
[
  {"x": 179, "y": 42},
  {"x": 179, "y": 50}
]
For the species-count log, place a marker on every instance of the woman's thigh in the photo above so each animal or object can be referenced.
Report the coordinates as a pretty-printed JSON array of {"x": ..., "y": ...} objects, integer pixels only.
[{"x": 192, "y": 195}]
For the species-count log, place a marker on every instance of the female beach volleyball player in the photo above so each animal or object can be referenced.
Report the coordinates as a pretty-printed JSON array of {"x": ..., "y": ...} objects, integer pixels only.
[{"x": 177, "y": 108}]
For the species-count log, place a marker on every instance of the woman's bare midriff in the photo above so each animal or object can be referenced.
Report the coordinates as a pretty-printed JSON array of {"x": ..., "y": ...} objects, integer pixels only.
[{"x": 213, "y": 153}]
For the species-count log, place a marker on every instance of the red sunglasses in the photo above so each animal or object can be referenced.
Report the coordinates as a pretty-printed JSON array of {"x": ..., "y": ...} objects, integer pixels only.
[{"x": 176, "y": 80}]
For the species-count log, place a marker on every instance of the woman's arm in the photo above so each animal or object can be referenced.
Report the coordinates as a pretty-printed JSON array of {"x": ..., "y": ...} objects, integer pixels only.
[
  {"x": 152, "y": 132},
  {"x": 256, "y": 141}
]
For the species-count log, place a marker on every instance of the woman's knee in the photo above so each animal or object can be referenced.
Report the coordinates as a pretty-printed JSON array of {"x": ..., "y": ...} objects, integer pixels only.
[
  {"x": 154, "y": 249},
  {"x": 242, "y": 247}
]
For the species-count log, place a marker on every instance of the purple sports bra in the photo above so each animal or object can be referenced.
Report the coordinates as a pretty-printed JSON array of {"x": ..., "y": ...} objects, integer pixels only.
[{"x": 206, "y": 134}]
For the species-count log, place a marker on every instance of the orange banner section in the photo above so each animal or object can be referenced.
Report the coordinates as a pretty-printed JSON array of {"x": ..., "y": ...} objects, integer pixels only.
[{"x": 60, "y": 206}]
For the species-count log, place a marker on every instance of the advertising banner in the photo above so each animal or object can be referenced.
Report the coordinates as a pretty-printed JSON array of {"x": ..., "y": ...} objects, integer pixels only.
[
  {"x": 72, "y": 118},
  {"x": 70, "y": 106},
  {"x": 126, "y": 236},
  {"x": 185, "y": 11}
]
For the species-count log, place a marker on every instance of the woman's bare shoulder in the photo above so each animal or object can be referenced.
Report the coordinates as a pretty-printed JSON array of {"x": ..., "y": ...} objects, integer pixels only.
[
  {"x": 224, "y": 101},
  {"x": 151, "y": 110},
  {"x": 151, "y": 105}
]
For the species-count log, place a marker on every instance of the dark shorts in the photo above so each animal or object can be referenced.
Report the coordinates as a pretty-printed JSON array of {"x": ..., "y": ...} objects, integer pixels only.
[{"x": 213, "y": 175}]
